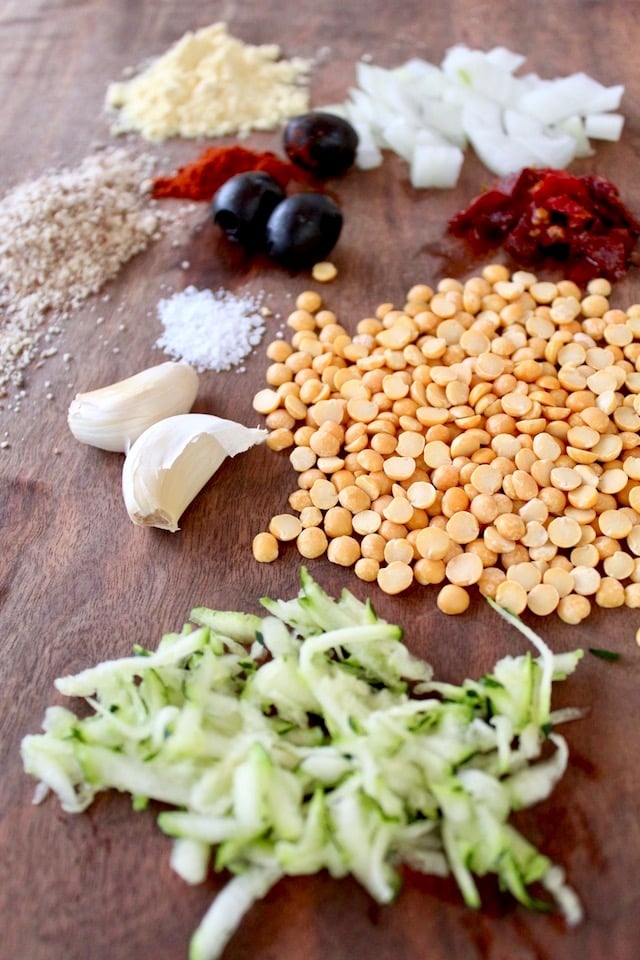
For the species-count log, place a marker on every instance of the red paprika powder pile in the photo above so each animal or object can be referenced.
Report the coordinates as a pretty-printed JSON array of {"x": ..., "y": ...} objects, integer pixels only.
[{"x": 201, "y": 179}]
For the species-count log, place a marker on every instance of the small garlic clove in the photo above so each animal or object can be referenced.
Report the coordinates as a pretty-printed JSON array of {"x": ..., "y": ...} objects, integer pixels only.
[
  {"x": 113, "y": 417},
  {"x": 172, "y": 460}
]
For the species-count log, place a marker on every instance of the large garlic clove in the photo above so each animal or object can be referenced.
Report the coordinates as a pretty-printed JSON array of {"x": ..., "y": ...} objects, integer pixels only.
[
  {"x": 113, "y": 417},
  {"x": 172, "y": 460}
]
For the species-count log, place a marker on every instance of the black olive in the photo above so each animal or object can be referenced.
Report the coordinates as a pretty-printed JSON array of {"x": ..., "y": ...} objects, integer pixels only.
[
  {"x": 323, "y": 143},
  {"x": 243, "y": 205},
  {"x": 303, "y": 229}
]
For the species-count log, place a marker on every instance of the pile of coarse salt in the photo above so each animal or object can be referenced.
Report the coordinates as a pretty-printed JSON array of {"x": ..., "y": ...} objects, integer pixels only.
[{"x": 210, "y": 330}]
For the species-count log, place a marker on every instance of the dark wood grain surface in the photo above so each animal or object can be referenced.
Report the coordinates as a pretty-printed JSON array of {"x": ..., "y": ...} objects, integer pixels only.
[{"x": 79, "y": 583}]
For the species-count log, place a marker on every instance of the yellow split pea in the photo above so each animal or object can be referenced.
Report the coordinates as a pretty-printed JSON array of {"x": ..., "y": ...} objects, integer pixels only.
[{"x": 484, "y": 435}]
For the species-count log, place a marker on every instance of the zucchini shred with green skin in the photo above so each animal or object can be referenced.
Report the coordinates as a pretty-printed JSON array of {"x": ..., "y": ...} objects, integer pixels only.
[{"x": 312, "y": 739}]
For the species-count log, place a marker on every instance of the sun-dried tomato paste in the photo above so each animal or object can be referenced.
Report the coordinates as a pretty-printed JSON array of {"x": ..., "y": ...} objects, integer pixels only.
[{"x": 551, "y": 218}]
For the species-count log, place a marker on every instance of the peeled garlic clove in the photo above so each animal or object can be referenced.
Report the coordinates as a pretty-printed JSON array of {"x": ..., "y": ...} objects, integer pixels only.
[
  {"x": 113, "y": 417},
  {"x": 172, "y": 460}
]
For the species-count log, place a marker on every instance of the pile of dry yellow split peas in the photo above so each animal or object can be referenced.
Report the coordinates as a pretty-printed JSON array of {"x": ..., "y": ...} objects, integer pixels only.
[{"x": 485, "y": 434}]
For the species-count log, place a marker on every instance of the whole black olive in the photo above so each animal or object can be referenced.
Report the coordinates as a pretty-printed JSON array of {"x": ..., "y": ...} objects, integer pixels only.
[
  {"x": 323, "y": 143},
  {"x": 303, "y": 229},
  {"x": 243, "y": 205}
]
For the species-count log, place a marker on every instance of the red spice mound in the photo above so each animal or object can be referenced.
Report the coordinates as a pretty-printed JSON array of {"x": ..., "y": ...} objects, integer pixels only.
[
  {"x": 550, "y": 218},
  {"x": 201, "y": 179}
]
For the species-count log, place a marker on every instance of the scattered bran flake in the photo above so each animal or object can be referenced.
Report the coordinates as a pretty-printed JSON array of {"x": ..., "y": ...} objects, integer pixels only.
[
  {"x": 210, "y": 330},
  {"x": 210, "y": 84},
  {"x": 63, "y": 235}
]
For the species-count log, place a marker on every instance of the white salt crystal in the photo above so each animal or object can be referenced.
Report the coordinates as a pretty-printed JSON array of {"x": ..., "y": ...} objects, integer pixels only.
[{"x": 210, "y": 330}]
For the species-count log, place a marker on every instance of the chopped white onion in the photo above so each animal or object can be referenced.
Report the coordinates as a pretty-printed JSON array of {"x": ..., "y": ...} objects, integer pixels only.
[
  {"x": 400, "y": 136},
  {"x": 575, "y": 127},
  {"x": 368, "y": 154},
  {"x": 604, "y": 126},
  {"x": 435, "y": 166},
  {"x": 519, "y": 124},
  {"x": 499, "y": 153},
  {"x": 476, "y": 98},
  {"x": 506, "y": 59}
]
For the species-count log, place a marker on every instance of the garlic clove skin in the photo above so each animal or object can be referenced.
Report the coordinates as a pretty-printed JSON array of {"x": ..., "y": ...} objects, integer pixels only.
[
  {"x": 170, "y": 463},
  {"x": 113, "y": 417}
]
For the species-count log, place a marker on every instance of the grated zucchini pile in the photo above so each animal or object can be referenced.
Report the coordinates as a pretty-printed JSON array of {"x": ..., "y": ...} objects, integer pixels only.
[{"x": 312, "y": 739}]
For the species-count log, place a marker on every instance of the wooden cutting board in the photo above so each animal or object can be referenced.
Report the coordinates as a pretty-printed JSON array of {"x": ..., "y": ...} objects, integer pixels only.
[{"x": 79, "y": 583}]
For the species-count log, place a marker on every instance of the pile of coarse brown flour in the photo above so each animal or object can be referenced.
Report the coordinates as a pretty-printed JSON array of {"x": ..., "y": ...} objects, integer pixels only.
[{"x": 63, "y": 235}]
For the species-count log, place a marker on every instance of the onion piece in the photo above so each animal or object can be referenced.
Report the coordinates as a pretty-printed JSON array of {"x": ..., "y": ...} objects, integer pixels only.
[
  {"x": 554, "y": 100},
  {"x": 500, "y": 153},
  {"x": 604, "y": 126},
  {"x": 433, "y": 165},
  {"x": 401, "y": 136},
  {"x": 575, "y": 127},
  {"x": 475, "y": 98}
]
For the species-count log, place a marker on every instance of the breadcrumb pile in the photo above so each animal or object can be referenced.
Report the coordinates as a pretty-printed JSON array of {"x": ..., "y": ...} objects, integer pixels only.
[
  {"x": 63, "y": 235},
  {"x": 210, "y": 84}
]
